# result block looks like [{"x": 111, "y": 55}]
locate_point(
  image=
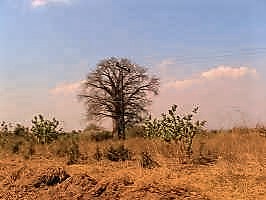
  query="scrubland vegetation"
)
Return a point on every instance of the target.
[
  {"x": 90, "y": 164},
  {"x": 173, "y": 156}
]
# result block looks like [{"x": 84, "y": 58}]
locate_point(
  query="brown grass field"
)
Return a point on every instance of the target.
[{"x": 225, "y": 166}]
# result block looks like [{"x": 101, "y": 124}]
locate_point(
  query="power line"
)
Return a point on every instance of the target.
[{"x": 219, "y": 57}]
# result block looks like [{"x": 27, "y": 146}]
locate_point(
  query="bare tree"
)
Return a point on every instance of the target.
[{"x": 120, "y": 90}]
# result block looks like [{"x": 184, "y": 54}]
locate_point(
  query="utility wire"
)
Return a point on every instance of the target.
[{"x": 219, "y": 57}]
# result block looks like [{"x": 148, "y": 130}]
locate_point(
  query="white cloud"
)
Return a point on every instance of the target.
[
  {"x": 229, "y": 72},
  {"x": 38, "y": 3},
  {"x": 215, "y": 74},
  {"x": 218, "y": 91},
  {"x": 66, "y": 88},
  {"x": 181, "y": 84}
]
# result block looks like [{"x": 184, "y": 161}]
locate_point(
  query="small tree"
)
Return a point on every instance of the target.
[
  {"x": 45, "y": 130},
  {"x": 172, "y": 126},
  {"x": 118, "y": 89}
]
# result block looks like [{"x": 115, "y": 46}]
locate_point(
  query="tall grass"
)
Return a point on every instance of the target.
[{"x": 240, "y": 146}]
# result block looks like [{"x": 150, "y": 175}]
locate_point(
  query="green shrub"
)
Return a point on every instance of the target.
[
  {"x": 45, "y": 130},
  {"x": 119, "y": 153},
  {"x": 176, "y": 127}
]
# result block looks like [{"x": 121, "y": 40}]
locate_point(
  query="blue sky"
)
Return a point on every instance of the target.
[{"x": 45, "y": 43}]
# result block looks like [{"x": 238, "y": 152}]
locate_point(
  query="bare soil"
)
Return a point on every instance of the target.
[{"x": 237, "y": 171}]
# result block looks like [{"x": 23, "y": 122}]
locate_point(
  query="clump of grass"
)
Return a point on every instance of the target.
[
  {"x": 29, "y": 151},
  {"x": 204, "y": 157},
  {"x": 147, "y": 161},
  {"x": 101, "y": 136},
  {"x": 261, "y": 129},
  {"x": 73, "y": 153},
  {"x": 15, "y": 148},
  {"x": 51, "y": 176},
  {"x": 136, "y": 131},
  {"x": 98, "y": 155},
  {"x": 119, "y": 153},
  {"x": 68, "y": 146}
]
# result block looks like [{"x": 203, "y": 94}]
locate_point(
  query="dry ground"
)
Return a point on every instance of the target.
[{"x": 226, "y": 166}]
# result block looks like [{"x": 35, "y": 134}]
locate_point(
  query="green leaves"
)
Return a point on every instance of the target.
[
  {"x": 45, "y": 130},
  {"x": 173, "y": 126}
]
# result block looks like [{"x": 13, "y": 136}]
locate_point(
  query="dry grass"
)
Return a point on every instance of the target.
[{"x": 226, "y": 165}]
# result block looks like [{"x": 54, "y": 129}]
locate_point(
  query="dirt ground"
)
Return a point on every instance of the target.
[
  {"x": 28, "y": 179},
  {"x": 226, "y": 166}
]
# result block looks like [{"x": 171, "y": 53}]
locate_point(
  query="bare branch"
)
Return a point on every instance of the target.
[{"x": 118, "y": 89}]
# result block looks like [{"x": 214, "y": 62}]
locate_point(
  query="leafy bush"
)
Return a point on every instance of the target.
[
  {"x": 45, "y": 130},
  {"x": 120, "y": 153},
  {"x": 172, "y": 126}
]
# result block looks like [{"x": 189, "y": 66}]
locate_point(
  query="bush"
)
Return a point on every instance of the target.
[
  {"x": 147, "y": 161},
  {"x": 93, "y": 128},
  {"x": 20, "y": 130},
  {"x": 75, "y": 132},
  {"x": 68, "y": 146},
  {"x": 45, "y": 130},
  {"x": 98, "y": 155},
  {"x": 14, "y": 138},
  {"x": 120, "y": 153},
  {"x": 16, "y": 147},
  {"x": 261, "y": 130},
  {"x": 5, "y": 127},
  {"x": 73, "y": 153},
  {"x": 136, "y": 131},
  {"x": 29, "y": 151},
  {"x": 101, "y": 136},
  {"x": 172, "y": 126}
]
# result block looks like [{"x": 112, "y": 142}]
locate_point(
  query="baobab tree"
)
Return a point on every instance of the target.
[{"x": 120, "y": 90}]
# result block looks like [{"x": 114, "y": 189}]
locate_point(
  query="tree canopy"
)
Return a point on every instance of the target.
[{"x": 118, "y": 89}]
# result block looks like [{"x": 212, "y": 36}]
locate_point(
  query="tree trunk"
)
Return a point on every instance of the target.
[
  {"x": 115, "y": 127},
  {"x": 121, "y": 129}
]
